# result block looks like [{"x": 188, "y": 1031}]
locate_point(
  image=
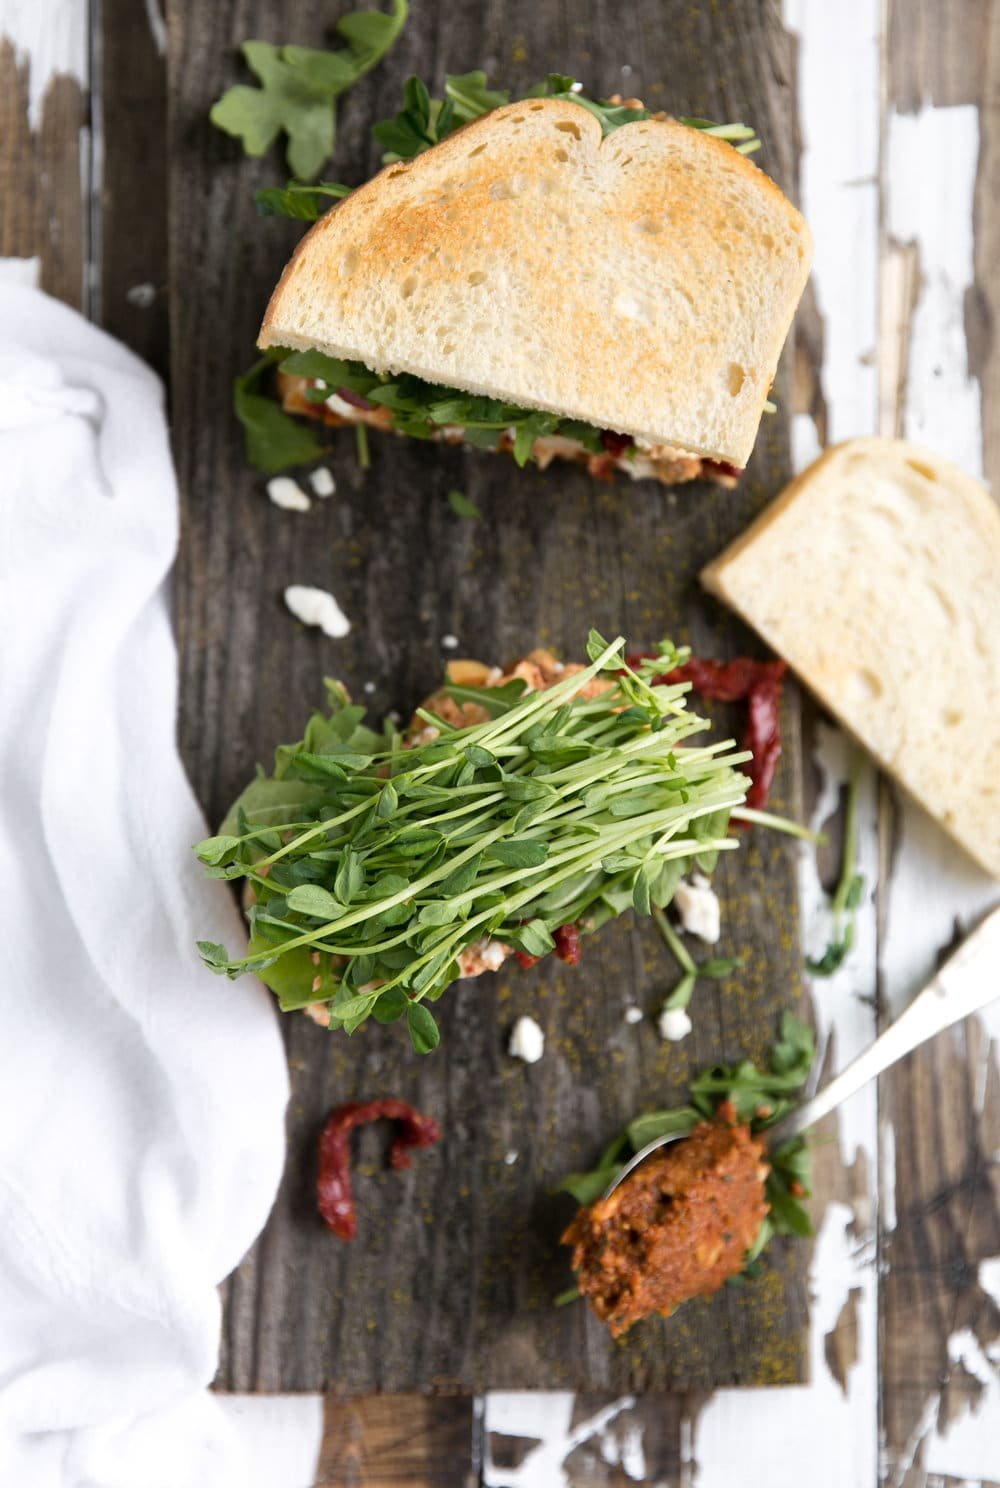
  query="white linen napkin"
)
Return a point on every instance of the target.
[{"x": 141, "y": 1097}]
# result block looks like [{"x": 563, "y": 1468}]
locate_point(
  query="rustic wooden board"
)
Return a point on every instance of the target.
[{"x": 450, "y": 1283}]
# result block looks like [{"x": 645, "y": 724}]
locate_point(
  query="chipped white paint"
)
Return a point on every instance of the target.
[
  {"x": 624, "y": 1449},
  {"x": 547, "y": 1417},
  {"x": 141, "y": 295},
  {"x": 806, "y": 1433},
  {"x": 838, "y": 90},
  {"x": 887, "y": 1179},
  {"x": 939, "y": 147},
  {"x": 157, "y": 26},
  {"x": 49, "y": 37}
]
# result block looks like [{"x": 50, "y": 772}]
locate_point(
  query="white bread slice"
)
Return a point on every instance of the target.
[
  {"x": 876, "y": 575},
  {"x": 644, "y": 282}
]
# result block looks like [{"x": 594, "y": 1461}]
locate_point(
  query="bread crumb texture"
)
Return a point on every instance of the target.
[
  {"x": 875, "y": 574},
  {"x": 643, "y": 282}
]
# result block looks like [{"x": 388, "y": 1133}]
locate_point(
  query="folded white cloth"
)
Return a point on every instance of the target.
[{"x": 141, "y": 1097}]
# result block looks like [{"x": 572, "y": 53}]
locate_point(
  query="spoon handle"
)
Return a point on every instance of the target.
[{"x": 965, "y": 983}]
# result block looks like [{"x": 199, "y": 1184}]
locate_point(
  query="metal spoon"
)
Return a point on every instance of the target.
[{"x": 968, "y": 981}]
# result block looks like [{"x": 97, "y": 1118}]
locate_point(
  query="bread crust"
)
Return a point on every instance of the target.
[
  {"x": 643, "y": 282},
  {"x": 874, "y": 574}
]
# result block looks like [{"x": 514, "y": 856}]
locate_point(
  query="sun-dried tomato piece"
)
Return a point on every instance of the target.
[
  {"x": 758, "y": 684},
  {"x": 334, "y": 1195},
  {"x": 568, "y": 944}
]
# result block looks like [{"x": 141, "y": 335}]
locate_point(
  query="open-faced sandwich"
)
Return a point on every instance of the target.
[
  {"x": 555, "y": 277},
  {"x": 516, "y": 815}
]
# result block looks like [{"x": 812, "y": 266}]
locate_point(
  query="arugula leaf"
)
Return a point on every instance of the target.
[
  {"x": 298, "y": 199},
  {"x": 274, "y": 440},
  {"x": 300, "y": 86}
]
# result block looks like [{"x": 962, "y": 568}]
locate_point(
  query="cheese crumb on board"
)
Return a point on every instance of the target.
[
  {"x": 450, "y": 642},
  {"x": 510, "y": 1158},
  {"x": 527, "y": 1041},
  {"x": 322, "y": 481},
  {"x": 317, "y": 607},
  {"x": 633, "y": 1015},
  {"x": 674, "y": 1025},
  {"x": 698, "y": 908},
  {"x": 288, "y": 494}
]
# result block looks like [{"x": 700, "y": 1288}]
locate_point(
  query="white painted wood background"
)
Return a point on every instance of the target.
[{"x": 828, "y": 1432}]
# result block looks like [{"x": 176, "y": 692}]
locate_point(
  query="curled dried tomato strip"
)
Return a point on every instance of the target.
[{"x": 334, "y": 1195}]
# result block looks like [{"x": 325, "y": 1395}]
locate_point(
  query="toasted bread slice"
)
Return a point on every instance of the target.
[
  {"x": 875, "y": 575},
  {"x": 643, "y": 282}
]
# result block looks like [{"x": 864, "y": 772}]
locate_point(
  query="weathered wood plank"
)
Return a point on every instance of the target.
[
  {"x": 940, "y": 1110},
  {"x": 44, "y": 162},
  {"x": 451, "y": 1283},
  {"x": 131, "y": 276},
  {"x": 398, "y": 1441}
]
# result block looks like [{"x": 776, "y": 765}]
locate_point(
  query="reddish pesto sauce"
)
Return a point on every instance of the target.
[
  {"x": 758, "y": 684},
  {"x": 334, "y": 1196}
]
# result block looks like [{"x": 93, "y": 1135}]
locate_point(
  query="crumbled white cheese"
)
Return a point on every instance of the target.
[
  {"x": 510, "y": 1158},
  {"x": 341, "y": 407},
  {"x": 674, "y": 1024},
  {"x": 576, "y": 87},
  {"x": 288, "y": 494},
  {"x": 317, "y": 607},
  {"x": 494, "y": 953},
  {"x": 322, "y": 481},
  {"x": 633, "y": 1015},
  {"x": 698, "y": 908},
  {"x": 369, "y": 688},
  {"x": 527, "y": 1041},
  {"x": 450, "y": 642}
]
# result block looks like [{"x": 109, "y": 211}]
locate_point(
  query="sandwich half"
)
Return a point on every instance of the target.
[{"x": 544, "y": 282}]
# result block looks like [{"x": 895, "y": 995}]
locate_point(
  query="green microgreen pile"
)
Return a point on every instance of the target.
[
  {"x": 375, "y": 860},
  {"x": 760, "y": 1098}
]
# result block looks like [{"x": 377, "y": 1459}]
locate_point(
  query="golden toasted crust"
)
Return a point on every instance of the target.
[{"x": 643, "y": 282}]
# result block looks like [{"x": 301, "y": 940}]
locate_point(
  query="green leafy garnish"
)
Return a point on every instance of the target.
[
  {"x": 423, "y": 409},
  {"x": 300, "y": 87},
  {"x": 462, "y": 506},
  {"x": 850, "y": 888},
  {"x": 424, "y": 121},
  {"x": 390, "y": 861},
  {"x": 760, "y": 1098},
  {"x": 298, "y": 199},
  {"x": 715, "y": 969},
  {"x": 274, "y": 440}
]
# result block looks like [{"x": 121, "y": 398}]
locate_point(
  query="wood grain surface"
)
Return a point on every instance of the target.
[{"x": 451, "y": 1281}]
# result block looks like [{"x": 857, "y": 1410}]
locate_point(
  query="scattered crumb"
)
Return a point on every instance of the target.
[
  {"x": 698, "y": 908},
  {"x": 633, "y": 1015},
  {"x": 450, "y": 642},
  {"x": 141, "y": 295},
  {"x": 322, "y": 481},
  {"x": 674, "y": 1024},
  {"x": 287, "y": 494},
  {"x": 317, "y": 607},
  {"x": 369, "y": 687},
  {"x": 527, "y": 1041},
  {"x": 510, "y": 1158}
]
